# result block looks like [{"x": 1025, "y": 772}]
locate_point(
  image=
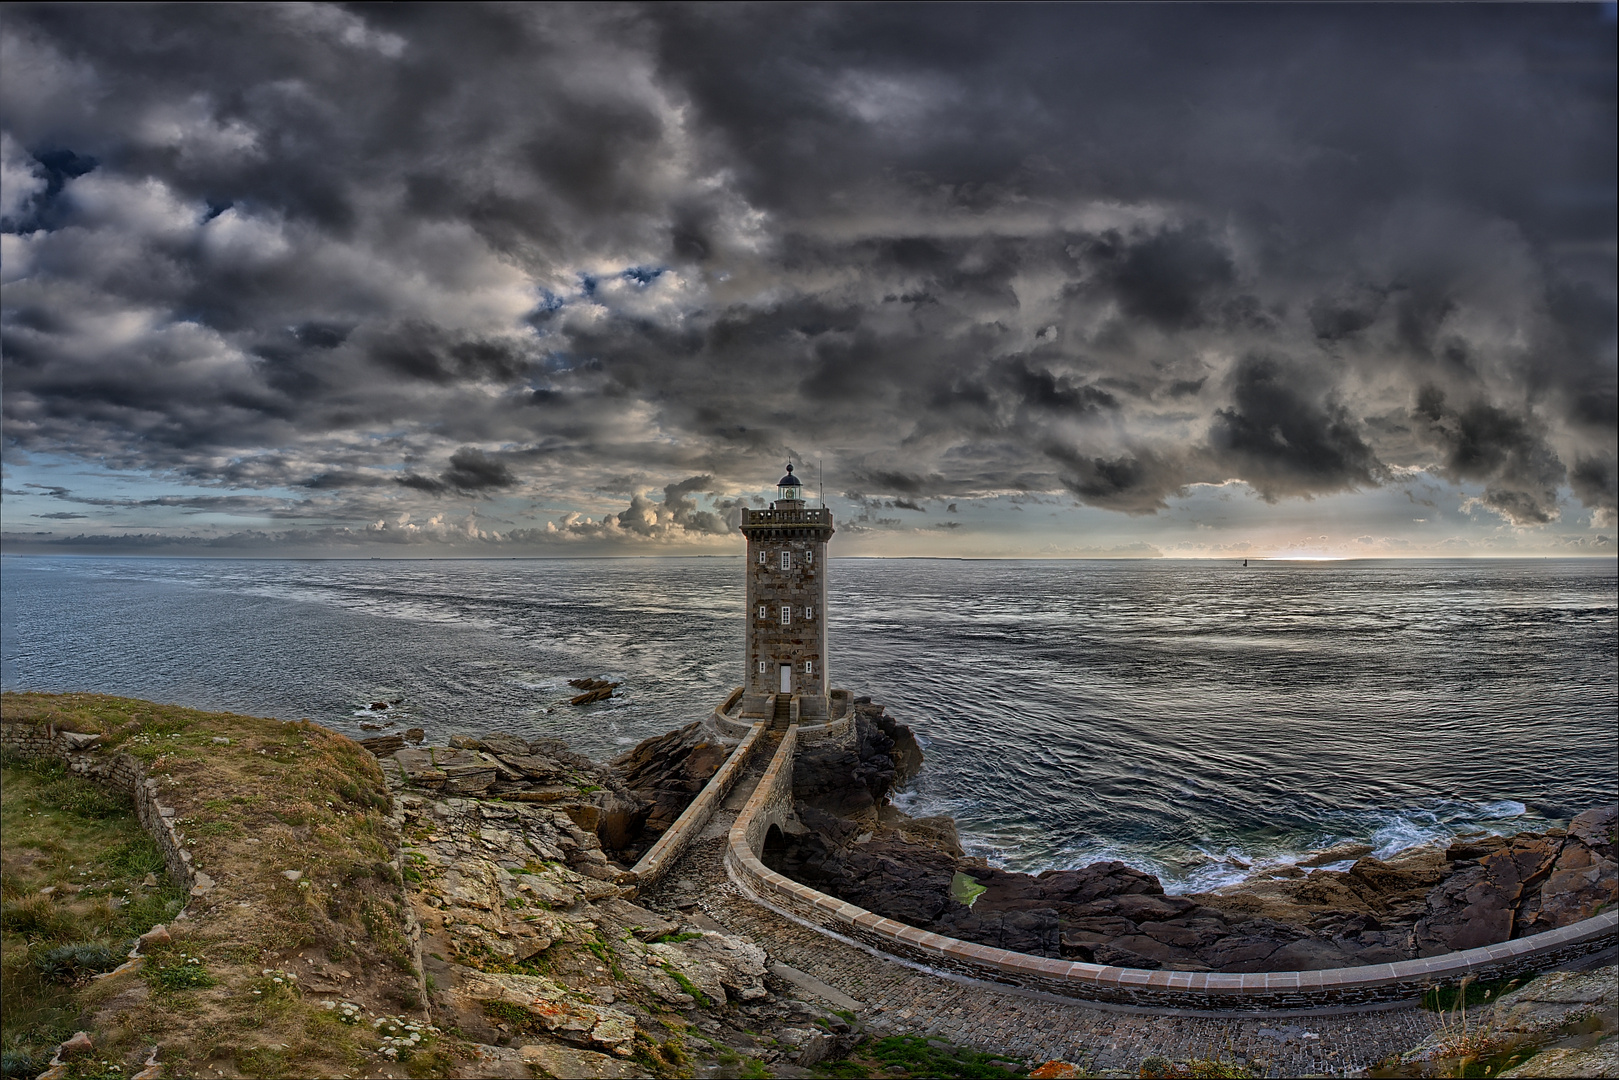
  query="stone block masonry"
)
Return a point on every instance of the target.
[
  {"x": 771, "y": 805},
  {"x": 82, "y": 756}
]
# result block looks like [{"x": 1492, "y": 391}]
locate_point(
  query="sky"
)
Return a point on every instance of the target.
[{"x": 1155, "y": 280}]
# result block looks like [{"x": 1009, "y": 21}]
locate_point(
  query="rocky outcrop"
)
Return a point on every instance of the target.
[
  {"x": 665, "y": 773},
  {"x": 1505, "y": 888},
  {"x": 1428, "y": 900},
  {"x": 543, "y": 771},
  {"x": 853, "y": 781},
  {"x": 541, "y": 958}
]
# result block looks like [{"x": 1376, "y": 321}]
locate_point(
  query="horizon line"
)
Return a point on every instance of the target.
[{"x": 873, "y": 558}]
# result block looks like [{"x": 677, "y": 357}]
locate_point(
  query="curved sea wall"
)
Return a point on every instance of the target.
[
  {"x": 122, "y": 771},
  {"x": 772, "y": 805}
]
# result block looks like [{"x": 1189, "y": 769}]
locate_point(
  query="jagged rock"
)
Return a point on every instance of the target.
[
  {"x": 906, "y": 882},
  {"x": 1598, "y": 829},
  {"x": 552, "y": 1009},
  {"x": 1098, "y": 881},
  {"x": 664, "y": 773},
  {"x": 1381, "y": 885},
  {"x": 937, "y": 831},
  {"x": 1478, "y": 906},
  {"x": 1336, "y": 853},
  {"x": 643, "y": 924},
  {"x": 383, "y": 745},
  {"x": 1118, "y": 956},
  {"x": 503, "y": 743},
  {"x": 807, "y": 1046},
  {"x": 557, "y": 1060},
  {"x": 722, "y": 966},
  {"x": 419, "y": 769},
  {"x": 620, "y": 817},
  {"x": 76, "y": 1046},
  {"x": 1584, "y": 879},
  {"x": 1035, "y": 931},
  {"x": 1474, "y": 846},
  {"x": 905, "y": 751},
  {"x": 853, "y": 782},
  {"x": 534, "y": 766},
  {"x": 1463, "y": 913}
]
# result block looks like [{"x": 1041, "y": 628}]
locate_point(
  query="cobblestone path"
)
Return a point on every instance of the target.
[{"x": 900, "y": 999}]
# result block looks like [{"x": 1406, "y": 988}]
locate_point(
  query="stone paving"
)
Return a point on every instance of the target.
[{"x": 900, "y": 999}]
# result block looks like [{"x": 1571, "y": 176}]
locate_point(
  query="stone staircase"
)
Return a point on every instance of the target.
[{"x": 784, "y": 713}]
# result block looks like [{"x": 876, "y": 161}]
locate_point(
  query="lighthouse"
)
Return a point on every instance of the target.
[{"x": 786, "y": 677}]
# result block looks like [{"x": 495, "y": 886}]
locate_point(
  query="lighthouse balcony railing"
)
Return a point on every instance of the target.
[{"x": 807, "y": 516}]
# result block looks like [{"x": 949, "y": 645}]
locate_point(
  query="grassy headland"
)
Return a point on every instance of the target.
[{"x": 288, "y": 819}]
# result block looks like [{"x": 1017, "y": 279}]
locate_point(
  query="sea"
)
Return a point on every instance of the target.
[{"x": 1195, "y": 719}]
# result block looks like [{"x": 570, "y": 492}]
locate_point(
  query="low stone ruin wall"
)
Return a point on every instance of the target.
[
  {"x": 84, "y": 759},
  {"x": 691, "y": 822},
  {"x": 771, "y": 804}
]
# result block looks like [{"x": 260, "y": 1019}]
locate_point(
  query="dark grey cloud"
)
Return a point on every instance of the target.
[
  {"x": 1285, "y": 437},
  {"x": 1509, "y": 452},
  {"x": 384, "y": 255},
  {"x": 471, "y": 471}
]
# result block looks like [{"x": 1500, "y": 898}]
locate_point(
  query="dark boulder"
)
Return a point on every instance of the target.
[
  {"x": 850, "y": 782},
  {"x": 665, "y": 773},
  {"x": 909, "y": 883},
  {"x": 1583, "y": 881},
  {"x": 1479, "y": 905},
  {"x": 1598, "y": 829}
]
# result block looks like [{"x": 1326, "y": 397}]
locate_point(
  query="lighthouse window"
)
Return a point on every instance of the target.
[
  {"x": 761, "y": 667},
  {"x": 764, "y": 612},
  {"x": 762, "y": 558},
  {"x": 809, "y": 612},
  {"x": 809, "y": 667},
  {"x": 786, "y": 615},
  {"x": 809, "y": 558},
  {"x": 786, "y": 560}
]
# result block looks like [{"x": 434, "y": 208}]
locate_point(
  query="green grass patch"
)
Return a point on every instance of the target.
[
  {"x": 1466, "y": 994},
  {"x": 687, "y": 986},
  {"x": 926, "y": 1057},
  {"x": 675, "y": 939},
  {"x": 72, "y": 897},
  {"x": 177, "y": 971}
]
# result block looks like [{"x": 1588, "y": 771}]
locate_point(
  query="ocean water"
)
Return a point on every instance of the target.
[{"x": 1194, "y": 719}]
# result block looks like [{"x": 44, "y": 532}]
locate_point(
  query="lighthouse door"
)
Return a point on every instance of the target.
[{"x": 786, "y": 678}]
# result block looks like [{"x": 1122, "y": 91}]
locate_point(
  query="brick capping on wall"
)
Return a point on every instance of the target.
[
  {"x": 84, "y": 759},
  {"x": 772, "y": 804},
  {"x": 691, "y": 822}
]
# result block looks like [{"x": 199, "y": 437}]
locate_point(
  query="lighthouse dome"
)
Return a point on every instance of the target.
[{"x": 789, "y": 480}]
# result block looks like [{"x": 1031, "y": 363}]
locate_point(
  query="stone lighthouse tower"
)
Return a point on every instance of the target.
[{"x": 786, "y": 654}]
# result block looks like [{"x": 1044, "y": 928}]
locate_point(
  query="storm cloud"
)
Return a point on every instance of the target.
[{"x": 596, "y": 270}]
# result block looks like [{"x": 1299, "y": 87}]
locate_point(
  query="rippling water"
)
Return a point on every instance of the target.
[{"x": 1187, "y": 717}]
